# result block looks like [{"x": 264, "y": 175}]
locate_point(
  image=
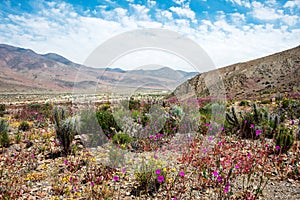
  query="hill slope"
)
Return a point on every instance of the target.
[{"x": 277, "y": 73}]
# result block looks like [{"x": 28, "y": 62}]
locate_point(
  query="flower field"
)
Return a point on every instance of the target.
[{"x": 148, "y": 148}]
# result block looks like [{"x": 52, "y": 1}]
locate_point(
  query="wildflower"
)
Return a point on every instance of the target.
[
  {"x": 237, "y": 166},
  {"x": 174, "y": 198},
  {"x": 210, "y": 129},
  {"x": 165, "y": 169},
  {"x": 215, "y": 173},
  {"x": 248, "y": 155},
  {"x": 160, "y": 179},
  {"x": 181, "y": 174},
  {"x": 204, "y": 150},
  {"x": 207, "y": 124},
  {"x": 116, "y": 178},
  {"x": 173, "y": 169},
  {"x": 155, "y": 157},
  {"x": 219, "y": 178},
  {"x": 210, "y": 138},
  {"x": 32, "y": 156},
  {"x": 92, "y": 184},
  {"x": 258, "y": 132},
  {"x": 219, "y": 143},
  {"x": 65, "y": 162},
  {"x": 157, "y": 171},
  {"x": 277, "y": 147},
  {"x": 123, "y": 170},
  {"x": 151, "y": 137},
  {"x": 222, "y": 129},
  {"x": 292, "y": 122},
  {"x": 71, "y": 179},
  {"x": 251, "y": 125},
  {"x": 226, "y": 188}
]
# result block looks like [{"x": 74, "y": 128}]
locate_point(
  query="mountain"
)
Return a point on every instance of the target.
[
  {"x": 270, "y": 75},
  {"x": 23, "y": 70}
]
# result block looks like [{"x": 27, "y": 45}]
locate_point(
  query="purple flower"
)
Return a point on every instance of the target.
[
  {"x": 160, "y": 179},
  {"x": 222, "y": 128},
  {"x": 207, "y": 124},
  {"x": 32, "y": 156},
  {"x": 151, "y": 137},
  {"x": 92, "y": 184},
  {"x": 181, "y": 174},
  {"x": 215, "y": 173},
  {"x": 157, "y": 171},
  {"x": 219, "y": 178},
  {"x": 258, "y": 132},
  {"x": 71, "y": 179},
  {"x": 237, "y": 166},
  {"x": 155, "y": 157},
  {"x": 116, "y": 178},
  {"x": 65, "y": 162},
  {"x": 210, "y": 138},
  {"x": 124, "y": 170},
  {"x": 251, "y": 125},
  {"x": 292, "y": 122},
  {"x": 248, "y": 155},
  {"x": 204, "y": 150},
  {"x": 226, "y": 188},
  {"x": 277, "y": 147}
]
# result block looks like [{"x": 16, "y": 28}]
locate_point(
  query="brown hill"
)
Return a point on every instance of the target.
[
  {"x": 277, "y": 73},
  {"x": 23, "y": 70}
]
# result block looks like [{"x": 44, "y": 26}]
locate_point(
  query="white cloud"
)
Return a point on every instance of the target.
[
  {"x": 184, "y": 12},
  {"x": 227, "y": 39},
  {"x": 292, "y": 4},
  {"x": 244, "y": 3}
]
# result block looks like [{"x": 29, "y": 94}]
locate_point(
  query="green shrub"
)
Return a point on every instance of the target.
[
  {"x": 4, "y": 137},
  {"x": 121, "y": 138},
  {"x": 89, "y": 126},
  {"x": 134, "y": 104},
  {"x": 107, "y": 122},
  {"x": 66, "y": 129},
  {"x": 285, "y": 102},
  {"x": 284, "y": 138},
  {"x": 24, "y": 126},
  {"x": 18, "y": 137}
]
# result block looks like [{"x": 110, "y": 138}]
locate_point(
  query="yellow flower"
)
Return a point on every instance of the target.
[
  {"x": 78, "y": 194},
  {"x": 173, "y": 169},
  {"x": 165, "y": 169}
]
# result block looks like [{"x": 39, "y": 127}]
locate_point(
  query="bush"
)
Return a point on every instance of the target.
[
  {"x": 4, "y": 137},
  {"x": 107, "y": 122},
  {"x": 24, "y": 126},
  {"x": 121, "y": 138},
  {"x": 66, "y": 129},
  {"x": 244, "y": 103},
  {"x": 134, "y": 104},
  {"x": 89, "y": 126}
]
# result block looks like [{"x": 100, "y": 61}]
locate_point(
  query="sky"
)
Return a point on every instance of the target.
[{"x": 229, "y": 31}]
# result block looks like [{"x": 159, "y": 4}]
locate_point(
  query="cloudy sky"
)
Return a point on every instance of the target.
[{"x": 229, "y": 31}]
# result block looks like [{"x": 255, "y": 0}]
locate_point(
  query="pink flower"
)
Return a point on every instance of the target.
[
  {"x": 92, "y": 184},
  {"x": 219, "y": 178},
  {"x": 219, "y": 143},
  {"x": 226, "y": 188},
  {"x": 248, "y": 155},
  {"x": 277, "y": 147},
  {"x": 251, "y": 125},
  {"x": 215, "y": 173},
  {"x": 174, "y": 198},
  {"x": 124, "y": 170},
  {"x": 258, "y": 132},
  {"x": 222, "y": 128},
  {"x": 237, "y": 166},
  {"x": 65, "y": 162},
  {"x": 116, "y": 178},
  {"x": 157, "y": 171},
  {"x": 160, "y": 179},
  {"x": 204, "y": 150},
  {"x": 207, "y": 124},
  {"x": 181, "y": 174},
  {"x": 32, "y": 156},
  {"x": 151, "y": 137},
  {"x": 210, "y": 138}
]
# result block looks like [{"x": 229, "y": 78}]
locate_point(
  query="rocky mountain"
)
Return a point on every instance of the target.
[
  {"x": 23, "y": 70},
  {"x": 270, "y": 75}
]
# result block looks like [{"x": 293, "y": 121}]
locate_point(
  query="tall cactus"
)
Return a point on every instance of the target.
[
  {"x": 4, "y": 138},
  {"x": 284, "y": 139}
]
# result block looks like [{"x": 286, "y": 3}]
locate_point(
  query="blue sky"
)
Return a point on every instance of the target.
[{"x": 229, "y": 31}]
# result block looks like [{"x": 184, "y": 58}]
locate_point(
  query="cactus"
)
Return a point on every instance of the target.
[
  {"x": 4, "y": 138},
  {"x": 284, "y": 138},
  {"x": 2, "y": 110},
  {"x": 66, "y": 129}
]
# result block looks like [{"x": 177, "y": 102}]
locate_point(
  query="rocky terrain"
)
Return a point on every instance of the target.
[
  {"x": 274, "y": 74},
  {"x": 23, "y": 70}
]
